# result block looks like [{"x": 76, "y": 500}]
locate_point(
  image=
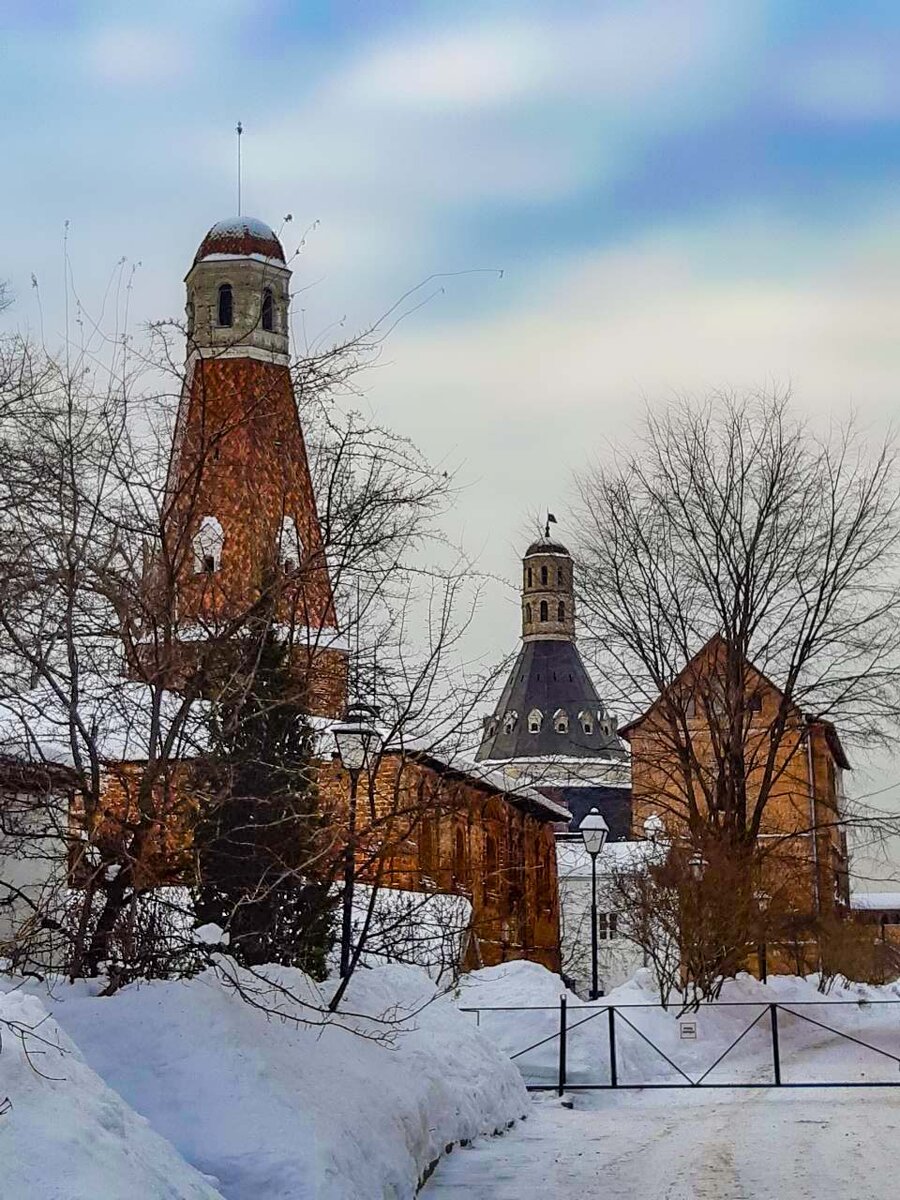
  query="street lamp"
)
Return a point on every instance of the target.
[
  {"x": 594, "y": 832},
  {"x": 358, "y": 743},
  {"x": 762, "y": 902},
  {"x": 697, "y": 865},
  {"x": 654, "y": 828}
]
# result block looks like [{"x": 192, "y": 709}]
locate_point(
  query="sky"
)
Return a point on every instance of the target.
[{"x": 600, "y": 206}]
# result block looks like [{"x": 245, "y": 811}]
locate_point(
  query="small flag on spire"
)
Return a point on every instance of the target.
[{"x": 551, "y": 520}]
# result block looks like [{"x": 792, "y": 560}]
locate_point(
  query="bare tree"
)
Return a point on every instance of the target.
[{"x": 736, "y": 528}]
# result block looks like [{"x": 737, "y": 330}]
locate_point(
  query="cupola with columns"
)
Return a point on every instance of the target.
[{"x": 548, "y": 592}]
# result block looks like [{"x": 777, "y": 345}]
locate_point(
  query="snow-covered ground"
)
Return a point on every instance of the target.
[
  {"x": 692, "y": 1144},
  {"x": 144, "y": 1093},
  {"x": 765, "y": 1145}
]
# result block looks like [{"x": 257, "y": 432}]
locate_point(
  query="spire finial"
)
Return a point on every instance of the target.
[{"x": 240, "y": 130}]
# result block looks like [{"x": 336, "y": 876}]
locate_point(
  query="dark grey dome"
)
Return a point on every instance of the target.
[{"x": 549, "y": 679}]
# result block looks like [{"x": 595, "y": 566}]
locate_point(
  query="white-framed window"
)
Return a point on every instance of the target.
[
  {"x": 535, "y": 720},
  {"x": 290, "y": 546},
  {"x": 561, "y": 721},
  {"x": 607, "y": 926},
  {"x": 207, "y": 546}
]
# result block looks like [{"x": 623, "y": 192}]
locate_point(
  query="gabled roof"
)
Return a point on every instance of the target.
[{"x": 710, "y": 647}]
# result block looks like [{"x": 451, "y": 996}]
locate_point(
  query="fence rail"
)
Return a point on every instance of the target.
[{"x": 623, "y": 1032}]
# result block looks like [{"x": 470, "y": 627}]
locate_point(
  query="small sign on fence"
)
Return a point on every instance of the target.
[{"x": 688, "y": 1031}]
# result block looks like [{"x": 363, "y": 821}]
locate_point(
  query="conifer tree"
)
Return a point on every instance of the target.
[{"x": 259, "y": 830}]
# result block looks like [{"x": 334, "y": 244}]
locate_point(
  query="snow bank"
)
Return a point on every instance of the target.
[
  {"x": 67, "y": 1135},
  {"x": 352, "y": 1110},
  {"x": 519, "y": 1010}
]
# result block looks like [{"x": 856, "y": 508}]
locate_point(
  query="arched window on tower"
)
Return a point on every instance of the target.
[
  {"x": 290, "y": 546},
  {"x": 528, "y": 614},
  {"x": 226, "y": 305},
  {"x": 268, "y": 310},
  {"x": 560, "y": 611},
  {"x": 207, "y": 546},
  {"x": 529, "y": 576},
  {"x": 535, "y": 719},
  {"x": 544, "y": 611},
  {"x": 560, "y": 576},
  {"x": 543, "y": 575}
]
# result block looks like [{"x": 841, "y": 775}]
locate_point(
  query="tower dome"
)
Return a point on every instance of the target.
[
  {"x": 549, "y": 707},
  {"x": 241, "y": 236},
  {"x": 238, "y": 292}
]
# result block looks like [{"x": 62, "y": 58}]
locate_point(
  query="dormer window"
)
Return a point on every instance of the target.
[
  {"x": 226, "y": 305},
  {"x": 290, "y": 546},
  {"x": 561, "y": 721},
  {"x": 207, "y": 546},
  {"x": 544, "y": 610},
  {"x": 535, "y": 720},
  {"x": 509, "y": 722},
  {"x": 586, "y": 721},
  {"x": 268, "y": 310}
]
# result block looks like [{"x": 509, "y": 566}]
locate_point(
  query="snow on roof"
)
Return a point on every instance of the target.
[
  {"x": 242, "y": 236},
  {"x": 484, "y": 773},
  {"x": 574, "y": 861},
  {"x": 875, "y": 900}
]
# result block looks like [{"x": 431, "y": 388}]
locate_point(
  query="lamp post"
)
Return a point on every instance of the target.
[
  {"x": 697, "y": 865},
  {"x": 762, "y": 902},
  {"x": 594, "y": 832},
  {"x": 654, "y": 828},
  {"x": 358, "y": 743}
]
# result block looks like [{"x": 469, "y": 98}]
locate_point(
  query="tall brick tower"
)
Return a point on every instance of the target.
[{"x": 241, "y": 527}]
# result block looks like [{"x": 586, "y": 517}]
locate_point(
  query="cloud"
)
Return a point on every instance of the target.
[{"x": 136, "y": 56}]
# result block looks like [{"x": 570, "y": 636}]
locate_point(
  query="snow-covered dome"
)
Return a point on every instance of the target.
[{"x": 241, "y": 235}]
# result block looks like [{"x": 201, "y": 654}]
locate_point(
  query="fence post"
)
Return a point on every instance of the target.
[
  {"x": 776, "y": 1056},
  {"x": 613, "y": 1066},
  {"x": 562, "y": 1045}
]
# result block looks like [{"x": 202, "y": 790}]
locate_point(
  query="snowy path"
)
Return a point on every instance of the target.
[{"x": 815, "y": 1144}]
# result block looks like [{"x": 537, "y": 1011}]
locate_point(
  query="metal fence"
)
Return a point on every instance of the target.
[{"x": 828, "y": 1043}]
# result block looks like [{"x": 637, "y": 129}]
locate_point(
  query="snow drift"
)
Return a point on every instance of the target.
[
  {"x": 268, "y": 1104},
  {"x": 520, "y": 1012}
]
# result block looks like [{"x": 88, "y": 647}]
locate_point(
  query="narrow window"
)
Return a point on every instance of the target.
[
  {"x": 207, "y": 546},
  {"x": 544, "y": 610},
  {"x": 560, "y": 611},
  {"x": 543, "y": 574},
  {"x": 226, "y": 313},
  {"x": 528, "y": 613},
  {"x": 290, "y": 546},
  {"x": 560, "y": 577},
  {"x": 459, "y": 854},
  {"x": 491, "y": 860},
  {"x": 530, "y": 577},
  {"x": 268, "y": 311}
]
